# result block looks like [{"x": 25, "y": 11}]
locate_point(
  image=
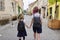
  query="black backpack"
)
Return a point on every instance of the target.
[
  {"x": 37, "y": 20},
  {"x": 21, "y": 26}
]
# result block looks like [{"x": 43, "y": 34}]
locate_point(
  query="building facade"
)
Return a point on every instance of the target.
[
  {"x": 42, "y": 5},
  {"x": 20, "y": 6},
  {"x": 31, "y": 6},
  {"x": 54, "y": 14},
  {"x": 9, "y": 8},
  {"x": 54, "y": 9}
]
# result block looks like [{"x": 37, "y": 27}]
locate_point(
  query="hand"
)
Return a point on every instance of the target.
[
  {"x": 27, "y": 26},
  {"x": 30, "y": 26}
]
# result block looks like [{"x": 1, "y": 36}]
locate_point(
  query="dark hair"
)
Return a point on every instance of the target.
[{"x": 35, "y": 10}]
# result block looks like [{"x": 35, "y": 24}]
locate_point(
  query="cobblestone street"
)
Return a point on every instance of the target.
[{"x": 9, "y": 31}]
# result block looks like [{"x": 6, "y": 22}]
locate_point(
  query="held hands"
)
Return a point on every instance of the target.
[{"x": 28, "y": 26}]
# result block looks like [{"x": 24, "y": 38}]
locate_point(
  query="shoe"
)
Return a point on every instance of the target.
[
  {"x": 19, "y": 39},
  {"x": 23, "y": 39}
]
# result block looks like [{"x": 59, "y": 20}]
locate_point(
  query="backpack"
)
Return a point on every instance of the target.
[
  {"x": 20, "y": 26},
  {"x": 37, "y": 20}
]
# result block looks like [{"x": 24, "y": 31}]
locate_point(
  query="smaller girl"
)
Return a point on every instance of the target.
[{"x": 21, "y": 27}]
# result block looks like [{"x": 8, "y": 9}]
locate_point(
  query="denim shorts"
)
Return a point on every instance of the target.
[{"x": 37, "y": 29}]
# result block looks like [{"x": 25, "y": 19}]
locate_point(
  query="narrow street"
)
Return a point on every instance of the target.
[{"x": 9, "y": 31}]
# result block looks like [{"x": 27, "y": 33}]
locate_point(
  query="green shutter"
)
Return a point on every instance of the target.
[{"x": 18, "y": 10}]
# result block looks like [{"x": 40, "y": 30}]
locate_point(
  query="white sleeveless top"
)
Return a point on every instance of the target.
[{"x": 36, "y": 15}]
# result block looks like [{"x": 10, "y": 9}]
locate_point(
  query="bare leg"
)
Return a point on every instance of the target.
[
  {"x": 19, "y": 38},
  {"x": 38, "y": 36},
  {"x": 24, "y": 38},
  {"x": 34, "y": 36}
]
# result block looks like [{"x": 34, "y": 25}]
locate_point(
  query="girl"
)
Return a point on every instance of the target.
[
  {"x": 37, "y": 23},
  {"x": 21, "y": 27}
]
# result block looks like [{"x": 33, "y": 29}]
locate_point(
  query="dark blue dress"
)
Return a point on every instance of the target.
[{"x": 21, "y": 29}]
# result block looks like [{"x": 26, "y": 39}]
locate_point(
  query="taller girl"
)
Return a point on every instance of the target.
[{"x": 37, "y": 23}]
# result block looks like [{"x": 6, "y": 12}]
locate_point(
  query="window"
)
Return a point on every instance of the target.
[
  {"x": 2, "y": 5},
  {"x": 47, "y": 13},
  {"x": 18, "y": 9},
  {"x": 50, "y": 12},
  {"x": 40, "y": 11},
  {"x": 57, "y": 11},
  {"x": 13, "y": 6},
  {"x": 44, "y": 8}
]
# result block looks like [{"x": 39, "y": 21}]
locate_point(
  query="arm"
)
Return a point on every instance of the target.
[
  {"x": 31, "y": 23},
  {"x": 18, "y": 27},
  {"x": 41, "y": 21},
  {"x": 41, "y": 18},
  {"x": 26, "y": 25}
]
